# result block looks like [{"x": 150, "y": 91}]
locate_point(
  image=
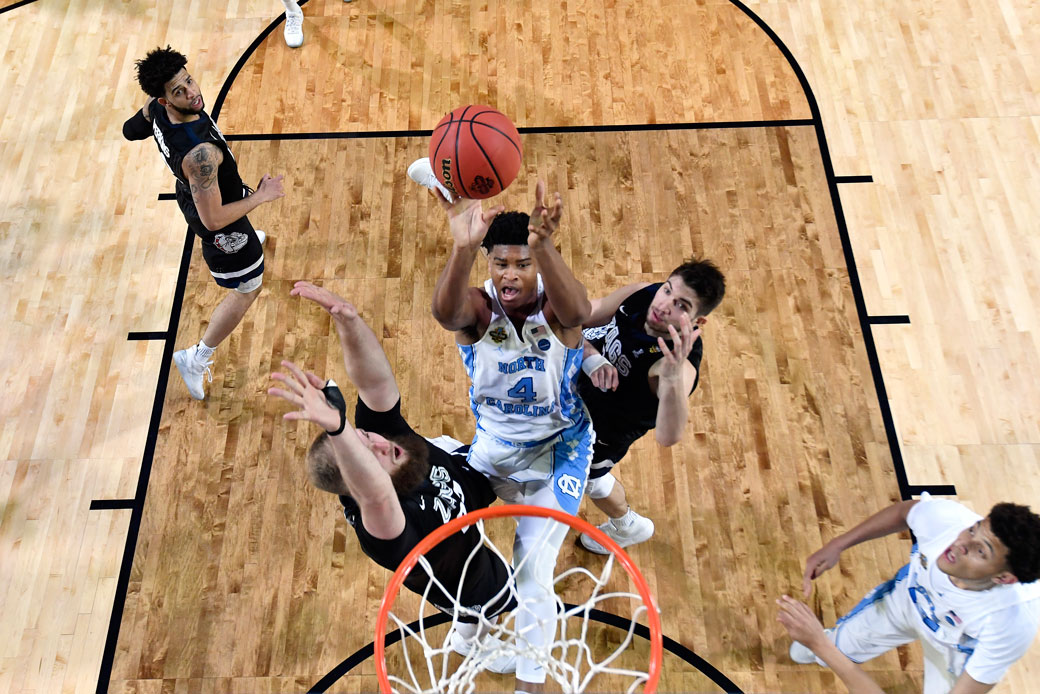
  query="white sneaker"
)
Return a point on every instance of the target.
[
  {"x": 193, "y": 370},
  {"x": 800, "y": 653},
  {"x": 294, "y": 28},
  {"x": 639, "y": 530},
  {"x": 421, "y": 171},
  {"x": 503, "y": 664},
  {"x": 261, "y": 235}
]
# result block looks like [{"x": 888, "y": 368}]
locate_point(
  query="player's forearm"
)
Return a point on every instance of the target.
[
  {"x": 367, "y": 481},
  {"x": 137, "y": 127},
  {"x": 849, "y": 672},
  {"x": 570, "y": 301},
  {"x": 363, "y": 356},
  {"x": 885, "y": 522},
  {"x": 450, "y": 296},
  {"x": 672, "y": 411},
  {"x": 224, "y": 215}
]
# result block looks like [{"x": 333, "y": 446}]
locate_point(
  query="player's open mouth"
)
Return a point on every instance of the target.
[
  {"x": 197, "y": 102},
  {"x": 655, "y": 316},
  {"x": 950, "y": 556},
  {"x": 510, "y": 292}
]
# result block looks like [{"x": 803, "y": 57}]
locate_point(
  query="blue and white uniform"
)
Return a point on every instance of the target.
[
  {"x": 534, "y": 441},
  {"x": 981, "y": 632},
  {"x": 531, "y": 424}
]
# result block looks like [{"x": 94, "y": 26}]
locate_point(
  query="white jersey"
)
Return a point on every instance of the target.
[
  {"x": 982, "y": 631},
  {"x": 524, "y": 386}
]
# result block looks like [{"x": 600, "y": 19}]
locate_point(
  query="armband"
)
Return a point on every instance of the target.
[
  {"x": 334, "y": 396},
  {"x": 593, "y": 362},
  {"x": 137, "y": 127}
]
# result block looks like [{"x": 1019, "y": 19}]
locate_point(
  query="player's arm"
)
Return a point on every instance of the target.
[
  {"x": 363, "y": 356},
  {"x": 598, "y": 368},
  {"x": 368, "y": 483},
  {"x": 884, "y": 522},
  {"x": 671, "y": 379},
  {"x": 566, "y": 295},
  {"x": 456, "y": 305},
  {"x": 966, "y": 684},
  {"x": 604, "y": 308},
  {"x": 803, "y": 626},
  {"x": 139, "y": 126},
  {"x": 200, "y": 167}
]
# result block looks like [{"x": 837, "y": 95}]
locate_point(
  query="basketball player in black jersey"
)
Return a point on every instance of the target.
[
  {"x": 395, "y": 486},
  {"x": 210, "y": 193},
  {"x": 643, "y": 353}
]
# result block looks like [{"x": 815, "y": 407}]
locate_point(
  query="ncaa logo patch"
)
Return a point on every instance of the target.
[{"x": 569, "y": 485}]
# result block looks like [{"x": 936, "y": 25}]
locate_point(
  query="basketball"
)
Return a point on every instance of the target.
[{"x": 475, "y": 152}]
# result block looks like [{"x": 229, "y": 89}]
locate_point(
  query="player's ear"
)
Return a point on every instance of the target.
[
  {"x": 162, "y": 101},
  {"x": 700, "y": 320},
  {"x": 1005, "y": 578}
]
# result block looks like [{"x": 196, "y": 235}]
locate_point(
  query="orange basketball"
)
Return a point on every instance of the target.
[{"x": 475, "y": 152}]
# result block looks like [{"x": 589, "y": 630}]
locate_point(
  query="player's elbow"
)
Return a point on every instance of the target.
[{"x": 667, "y": 439}]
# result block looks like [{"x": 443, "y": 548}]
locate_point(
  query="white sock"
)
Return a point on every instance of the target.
[
  {"x": 625, "y": 520},
  {"x": 203, "y": 351},
  {"x": 291, "y": 6}
]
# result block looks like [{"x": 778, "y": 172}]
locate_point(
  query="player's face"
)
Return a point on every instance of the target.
[
  {"x": 672, "y": 301},
  {"x": 976, "y": 554},
  {"x": 183, "y": 95},
  {"x": 389, "y": 454},
  {"x": 514, "y": 274}
]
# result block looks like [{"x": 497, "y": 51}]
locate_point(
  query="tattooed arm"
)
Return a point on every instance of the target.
[{"x": 200, "y": 166}]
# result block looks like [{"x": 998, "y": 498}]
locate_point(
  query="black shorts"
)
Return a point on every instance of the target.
[{"x": 234, "y": 254}]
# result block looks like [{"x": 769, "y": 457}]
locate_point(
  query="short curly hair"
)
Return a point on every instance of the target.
[
  {"x": 157, "y": 68},
  {"x": 507, "y": 229},
  {"x": 1019, "y": 529}
]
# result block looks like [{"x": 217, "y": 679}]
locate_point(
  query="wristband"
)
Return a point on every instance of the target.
[
  {"x": 593, "y": 362},
  {"x": 334, "y": 397}
]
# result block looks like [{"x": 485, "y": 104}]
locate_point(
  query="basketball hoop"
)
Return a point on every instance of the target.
[{"x": 568, "y": 659}]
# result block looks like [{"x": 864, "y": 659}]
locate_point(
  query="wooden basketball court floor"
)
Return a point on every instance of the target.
[{"x": 861, "y": 174}]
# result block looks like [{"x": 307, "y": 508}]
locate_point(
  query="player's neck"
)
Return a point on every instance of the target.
[
  {"x": 176, "y": 116},
  {"x": 978, "y": 584}
]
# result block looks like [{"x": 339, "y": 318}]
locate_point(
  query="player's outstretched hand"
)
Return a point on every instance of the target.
[
  {"x": 342, "y": 310},
  {"x": 544, "y": 220},
  {"x": 467, "y": 219},
  {"x": 304, "y": 392},
  {"x": 800, "y": 622},
  {"x": 270, "y": 187},
  {"x": 683, "y": 341},
  {"x": 819, "y": 561},
  {"x": 605, "y": 377}
]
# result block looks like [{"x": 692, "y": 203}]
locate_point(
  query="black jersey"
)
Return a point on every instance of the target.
[
  {"x": 452, "y": 489},
  {"x": 226, "y": 250},
  {"x": 622, "y": 416}
]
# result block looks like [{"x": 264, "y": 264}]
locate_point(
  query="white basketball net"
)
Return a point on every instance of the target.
[{"x": 568, "y": 658}]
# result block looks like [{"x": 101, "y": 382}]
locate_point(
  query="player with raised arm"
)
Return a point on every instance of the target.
[
  {"x": 643, "y": 356},
  {"x": 395, "y": 486},
  {"x": 211, "y": 195},
  {"x": 968, "y": 594},
  {"x": 520, "y": 340}
]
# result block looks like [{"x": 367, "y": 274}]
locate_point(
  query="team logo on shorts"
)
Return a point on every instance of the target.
[
  {"x": 569, "y": 485},
  {"x": 231, "y": 243},
  {"x": 499, "y": 335}
]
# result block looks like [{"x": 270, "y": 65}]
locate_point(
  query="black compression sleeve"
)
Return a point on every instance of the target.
[{"x": 137, "y": 128}]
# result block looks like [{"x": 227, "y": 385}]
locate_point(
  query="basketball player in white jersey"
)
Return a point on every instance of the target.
[
  {"x": 969, "y": 594},
  {"x": 520, "y": 340}
]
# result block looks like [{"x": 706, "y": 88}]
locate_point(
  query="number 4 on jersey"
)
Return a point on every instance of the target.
[{"x": 524, "y": 390}]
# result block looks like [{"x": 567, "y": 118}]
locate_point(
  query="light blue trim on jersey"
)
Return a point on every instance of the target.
[
  {"x": 468, "y": 358},
  {"x": 571, "y": 405},
  {"x": 878, "y": 594}
]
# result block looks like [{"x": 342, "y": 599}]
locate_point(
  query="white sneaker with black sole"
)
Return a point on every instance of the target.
[
  {"x": 639, "y": 530},
  {"x": 503, "y": 664},
  {"x": 294, "y": 28},
  {"x": 421, "y": 171},
  {"x": 193, "y": 371}
]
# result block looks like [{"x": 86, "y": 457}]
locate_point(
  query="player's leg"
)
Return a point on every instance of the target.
[
  {"x": 293, "y": 24},
  {"x": 624, "y": 526},
  {"x": 194, "y": 362}
]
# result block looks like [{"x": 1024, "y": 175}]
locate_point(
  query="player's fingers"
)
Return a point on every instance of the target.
[
  {"x": 315, "y": 380},
  {"x": 295, "y": 370},
  {"x": 539, "y": 193}
]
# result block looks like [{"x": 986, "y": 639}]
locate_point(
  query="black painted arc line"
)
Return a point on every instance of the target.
[
  {"x": 936, "y": 489},
  {"x": 111, "y": 504},
  {"x": 167, "y": 196},
  {"x": 16, "y": 6},
  {"x": 854, "y": 179},
  {"x": 226, "y": 87},
  {"x": 850, "y": 260},
  {"x": 670, "y": 645},
  {"x": 123, "y": 582},
  {"x": 889, "y": 320}
]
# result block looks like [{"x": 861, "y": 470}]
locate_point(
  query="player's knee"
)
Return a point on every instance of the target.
[
  {"x": 601, "y": 487},
  {"x": 250, "y": 289}
]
